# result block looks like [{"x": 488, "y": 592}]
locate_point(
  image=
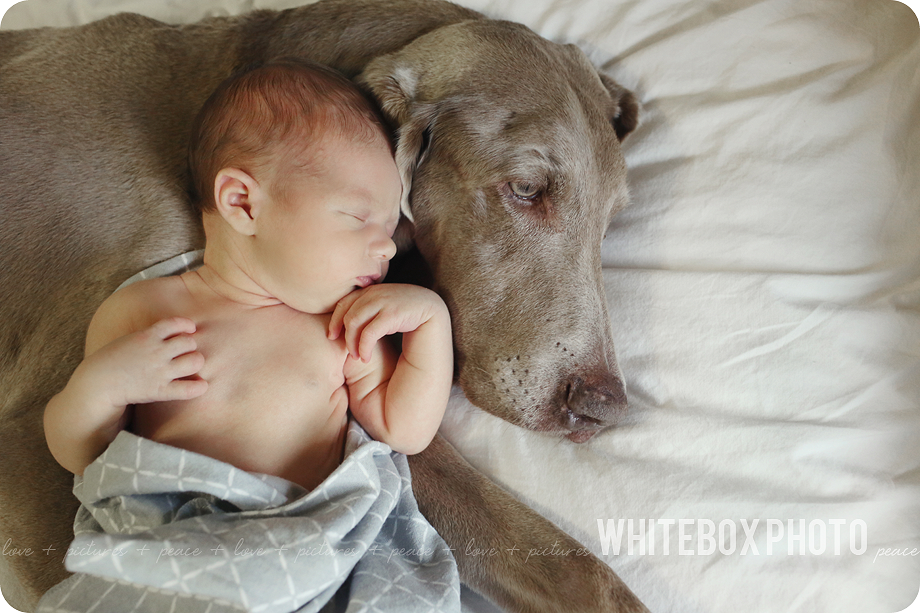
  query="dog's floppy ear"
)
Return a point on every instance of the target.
[
  {"x": 624, "y": 109},
  {"x": 395, "y": 85}
]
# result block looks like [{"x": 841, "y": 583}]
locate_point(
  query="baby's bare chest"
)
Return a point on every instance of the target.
[
  {"x": 269, "y": 356},
  {"x": 276, "y": 399}
]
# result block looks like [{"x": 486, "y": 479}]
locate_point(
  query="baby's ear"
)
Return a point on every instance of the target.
[{"x": 239, "y": 199}]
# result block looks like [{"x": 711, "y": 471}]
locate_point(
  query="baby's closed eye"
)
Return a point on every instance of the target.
[{"x": 357, "y": 213}]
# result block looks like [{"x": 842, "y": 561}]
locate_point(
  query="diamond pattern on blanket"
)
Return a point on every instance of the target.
[{"x": 162, "y": 528}]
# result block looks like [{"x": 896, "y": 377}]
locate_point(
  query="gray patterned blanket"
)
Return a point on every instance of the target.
[{"x": 164, "y": 529}]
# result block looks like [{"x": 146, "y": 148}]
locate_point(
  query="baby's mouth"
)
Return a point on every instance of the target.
[{"x": 368, "y": 280}]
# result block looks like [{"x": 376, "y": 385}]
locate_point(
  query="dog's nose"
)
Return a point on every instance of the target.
[{"x": 594, "y": 402}]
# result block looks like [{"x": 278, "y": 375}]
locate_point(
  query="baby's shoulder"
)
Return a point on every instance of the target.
[
  {"x": 150, "y": 296},
  {"x": 132, "y": 308}
]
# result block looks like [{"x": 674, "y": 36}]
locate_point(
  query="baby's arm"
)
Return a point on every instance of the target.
[
  {"x": 122, "y": 367},
  {"x": 398, "y": 401}
]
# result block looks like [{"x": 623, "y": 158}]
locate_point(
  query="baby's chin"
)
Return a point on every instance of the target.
[
  {"x": 327, "y": 306},
  {"x": 322, "y": 305},
  {"x": 315, "y": 305}
]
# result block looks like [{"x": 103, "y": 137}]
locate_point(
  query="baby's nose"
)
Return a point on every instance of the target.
[{"x": 385, "y": 248}]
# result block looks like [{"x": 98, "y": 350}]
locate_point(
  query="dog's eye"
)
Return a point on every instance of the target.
[{"x": 524, "y": 191}]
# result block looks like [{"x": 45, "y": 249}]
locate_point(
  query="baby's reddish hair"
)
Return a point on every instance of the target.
[{"x": 268, "y": 120}]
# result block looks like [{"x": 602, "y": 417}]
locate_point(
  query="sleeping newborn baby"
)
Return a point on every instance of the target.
[{"x": 256, "y": 357}]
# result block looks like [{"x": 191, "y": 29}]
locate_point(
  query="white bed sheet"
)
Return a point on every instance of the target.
[{"x": 764, "y": 288}]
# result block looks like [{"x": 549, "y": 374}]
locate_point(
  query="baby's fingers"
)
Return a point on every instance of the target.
[
  {"x": 186, "y": 365},
  {"x": 375, "y": 329},
  {"x": 337, "y": 321},
  {"x": 180, "y": 344},
  {"x": 171, "y": 326},
  {"x": 184, "y": 389},
  {"x": 354, "y": 329}
]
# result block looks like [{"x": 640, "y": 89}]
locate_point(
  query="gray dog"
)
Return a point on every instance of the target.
[{"x": 511, "y": 145}]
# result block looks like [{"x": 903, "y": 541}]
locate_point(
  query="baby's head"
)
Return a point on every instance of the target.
[
  {"x": 293, "y": 172},
  {"x": 270, "y": 121}
]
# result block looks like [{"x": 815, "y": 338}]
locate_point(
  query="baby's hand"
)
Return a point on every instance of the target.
[
  {"x": 149, "y": 365},
  {"x": 371, "y": 313}
]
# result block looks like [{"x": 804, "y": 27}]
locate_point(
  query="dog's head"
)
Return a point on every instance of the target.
[{"x": 509, "y": 148}]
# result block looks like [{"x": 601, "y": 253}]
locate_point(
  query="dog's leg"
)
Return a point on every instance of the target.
[{"x": 492, "y": 537}]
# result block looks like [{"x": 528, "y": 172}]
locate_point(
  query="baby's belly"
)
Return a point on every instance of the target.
[{"x": 276, "y": 422}]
